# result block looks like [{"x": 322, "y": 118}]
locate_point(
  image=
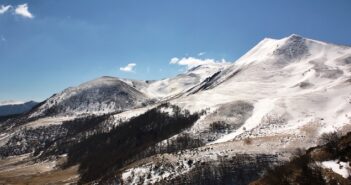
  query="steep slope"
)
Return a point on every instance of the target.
[
  {"x": 102, "y": 95},
  {"x": 292, "y": 83},
  {"x": 174, "y": 86},
  {"x": 140, "y": 85},
  {"x": 281, "y": 95},
  {"x": 10, "y": 109}
]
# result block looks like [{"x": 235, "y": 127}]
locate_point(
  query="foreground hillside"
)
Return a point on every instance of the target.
[
  {"x": 214, "y": 124},
  {"x": 325, "y": 165}
]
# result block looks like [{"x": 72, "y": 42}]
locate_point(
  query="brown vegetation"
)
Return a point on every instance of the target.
[
  {"x": 304, "y": 169},
  {"x": 247, "y": 141}
]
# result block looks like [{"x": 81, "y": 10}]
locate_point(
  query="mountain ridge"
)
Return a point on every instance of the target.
[
  {"x": 280, "y": 95},
  {"x": 12, "y": 108}
]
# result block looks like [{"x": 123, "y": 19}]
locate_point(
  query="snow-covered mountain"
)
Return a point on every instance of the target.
[
  {"x": 292, "y": 83},
  {"x": 15, "y": 107},
  {"x": 102, "y": 95},
  {"x": 175, "y": 86},
  {"x": 110, "y": 94},
  {"x": 281, "y": 95},
  {"x": 231, "y": 118}
]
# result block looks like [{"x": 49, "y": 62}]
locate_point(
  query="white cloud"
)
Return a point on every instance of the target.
[
  {"x": 22, "y": 10},
  {"x": 128, "y": 68},
  {"x": 191, "y": 62},
  {"x": 174, "y": 60},
  {"x": 2, "y": 38},
  {"x": 4, "y": 9},
  {"x": 201, "y": 53}
]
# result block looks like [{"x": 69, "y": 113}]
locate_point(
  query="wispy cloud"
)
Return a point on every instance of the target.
[
  {"x": 128, "y": 68},
  {"x": 174, "y": 60},
  {"x": 191, "y": 62},
  {"x": 22, "y": 10},
  {"x": 4, "y": 9},
  {"x": 201, "y": 53}
]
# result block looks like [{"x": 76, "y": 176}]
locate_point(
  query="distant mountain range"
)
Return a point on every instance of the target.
[
  {"x": 11, "y": 108},
  {"x": 214, "y": 124}
]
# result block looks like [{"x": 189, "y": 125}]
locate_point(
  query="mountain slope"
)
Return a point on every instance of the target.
[
  {"x": 325, "y": 164},
  {"x": 102, "y": 95},
  {"x": 175, "y": 86},
  {"x": 281, "y": 95},
  {"x": 251, "y": 114}
]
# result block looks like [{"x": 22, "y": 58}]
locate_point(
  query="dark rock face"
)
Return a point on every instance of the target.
[
  {"x": 294, "y": 48},
  {"x": 237, "y": 170},
  {"x": 204, "y": 84},
  {"x": 347, "y": 60}
]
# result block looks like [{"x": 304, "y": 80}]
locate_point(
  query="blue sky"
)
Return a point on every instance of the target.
[{"x": 49, "y": 45}]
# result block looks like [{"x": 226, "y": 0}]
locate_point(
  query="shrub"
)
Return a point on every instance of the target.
[
  {"x": 247, "y": 141},
  {"x": 219, "y": 126},
  {"x": 330, "y": 138}
]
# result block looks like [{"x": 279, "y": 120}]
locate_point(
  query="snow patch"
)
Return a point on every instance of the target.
[
  {"x": 339, "y": 167},
  {"x": 152, "y": 173},
  {"x": 261, "y": 108}
]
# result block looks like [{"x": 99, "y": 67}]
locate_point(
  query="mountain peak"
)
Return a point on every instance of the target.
[
  {"x": 101, "y": 81},
  {"x": 107, "y": 77},
  {"x": 290, "y": 37},
  {"x": 292, "y": 47},
  {"x": 102, "y": 95},
  {"x": 295, "y": 36}
]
